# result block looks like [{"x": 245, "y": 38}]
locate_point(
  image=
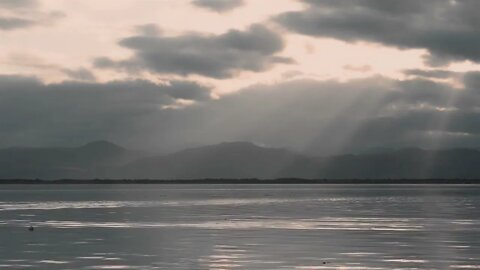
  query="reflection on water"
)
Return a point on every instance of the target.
[{"x": 240, "y": 227}]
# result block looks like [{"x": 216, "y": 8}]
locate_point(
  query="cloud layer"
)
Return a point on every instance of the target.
[
  {"x": 216, "y": 56},
  {"x": 319, "y": 117},
  {"x": 430, "y": 107},
  {"x": 448, "y": 29},
  {"x": 33, "y": 113}
]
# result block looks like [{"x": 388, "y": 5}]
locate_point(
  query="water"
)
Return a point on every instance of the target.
[{"x": 240, "y": 227}]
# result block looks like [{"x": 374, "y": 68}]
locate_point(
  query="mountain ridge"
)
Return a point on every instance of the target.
[
  {"x": 233, "y": 160},
  {"x": 86, "y": 161}
]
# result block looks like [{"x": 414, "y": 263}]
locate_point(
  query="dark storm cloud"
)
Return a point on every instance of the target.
[
  {"x": 472, "y": 81},
  {"x": 325, "y": 117},
  {"x": 448, "y": 29},
  {"x": 34, "y": 113},
  {"x": 218, "y": 5},
  {"x": 425, "y": 113},
  {"x": 319, "y": 117},
  {"x": 187, "y": 90},
  {"x": 217, "y": 56}
]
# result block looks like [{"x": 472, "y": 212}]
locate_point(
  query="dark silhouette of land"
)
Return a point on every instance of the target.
[
  {"x": 237, "y": 162},
  {"x": 296, "y": 181}
]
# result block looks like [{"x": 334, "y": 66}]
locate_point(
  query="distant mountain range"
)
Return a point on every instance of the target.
[
  {"x": 225, "y": 160},
  {"x": 95, "y": 159},
  {"x": 102, "y": 159}
]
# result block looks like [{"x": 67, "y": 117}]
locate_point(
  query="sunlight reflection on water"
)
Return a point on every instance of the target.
[
  {"x": 253, "y": 223},
  {"x": 245, "y": 227},
  {"x": 52, "y": 205}
]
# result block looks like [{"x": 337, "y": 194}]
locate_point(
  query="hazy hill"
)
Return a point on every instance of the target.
[
  {"x": 412, "y": 163},
  {"x": 225, "y": 160},
  {"x": 246, "y": 160},
  {"x": 90, "y": 160},
  {"x": 234, "y": 160}
]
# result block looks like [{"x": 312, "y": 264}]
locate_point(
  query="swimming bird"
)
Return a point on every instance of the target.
[{"x": 31, "y": 228}]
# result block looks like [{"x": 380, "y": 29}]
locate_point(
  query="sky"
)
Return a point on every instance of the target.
[{"x": 315, "y": 76}]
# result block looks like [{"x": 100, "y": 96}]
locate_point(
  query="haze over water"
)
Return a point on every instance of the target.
[{"x": 240, "y": 227}]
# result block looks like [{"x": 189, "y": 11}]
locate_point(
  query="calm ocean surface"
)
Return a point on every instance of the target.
[{"x": 240, "y": 227}]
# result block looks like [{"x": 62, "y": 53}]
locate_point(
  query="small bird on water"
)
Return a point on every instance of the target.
[{"x": 31, "y": 228}]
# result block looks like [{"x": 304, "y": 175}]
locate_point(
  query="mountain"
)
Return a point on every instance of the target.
[
  {"x": 235, "y": 160},
  {"x": 225, "y": 160},
  {"x": 410, "y": 163},
  {"x": 246, "y": 160},
  {"x": 87, "y": 161}
]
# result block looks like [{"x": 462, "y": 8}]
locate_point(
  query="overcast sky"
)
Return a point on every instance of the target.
[{"x": 317, "y": 76}]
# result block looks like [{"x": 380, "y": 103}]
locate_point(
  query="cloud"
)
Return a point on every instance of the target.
[
  {"x": 19, "y": 14},
  {"x": 28, "y": 61},
  {"x": 436, "y": 73},
  {"x": 14, "y": 23},
  {"x": 472, "y": 81},
  {"x": 325, "y": 117},
  {"x": 34, "y": 113},
  {"x": 328, "y": 117},
  {"x": 318, "y": 117},
  {"x": 218, "y": 5},
  {"x": 18, "y": 4},
  {"x": 216, "y": 56},
  {"x": 187, "y": 90},
  {"x": 81, "y": 74},
  {"x": 148, "y": 29},
  {"x": 447, "y": 29},
  {"x": 31, "y": 61}
]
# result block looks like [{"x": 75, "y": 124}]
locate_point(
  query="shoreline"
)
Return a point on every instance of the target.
[{"x": 289, "y": 181}]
